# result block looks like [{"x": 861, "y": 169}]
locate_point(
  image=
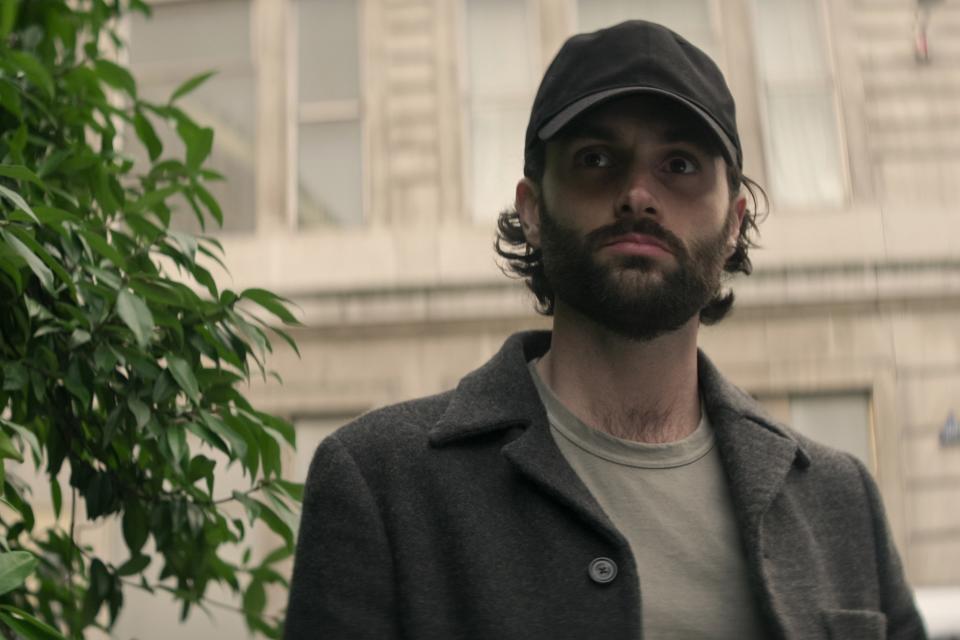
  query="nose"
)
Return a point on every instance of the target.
[{"x": 638, "y": 195}]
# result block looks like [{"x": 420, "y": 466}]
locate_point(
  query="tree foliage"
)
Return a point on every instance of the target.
[{"x": 120, "y": 358}]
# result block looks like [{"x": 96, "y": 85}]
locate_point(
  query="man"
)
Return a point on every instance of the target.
[{"x": 603, "y": 480}]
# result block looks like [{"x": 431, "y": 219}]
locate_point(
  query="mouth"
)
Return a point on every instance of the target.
[{"x": 636, "y": 244}]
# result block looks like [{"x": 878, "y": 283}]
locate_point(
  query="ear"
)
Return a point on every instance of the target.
[
  {"x": 528, "y": 208},
  {"x": 739, "y": 209}
]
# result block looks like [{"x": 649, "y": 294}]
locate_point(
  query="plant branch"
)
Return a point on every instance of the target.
[{"x": 202, "y": 600}]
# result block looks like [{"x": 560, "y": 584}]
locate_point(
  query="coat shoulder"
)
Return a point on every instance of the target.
[
  {"x": 395, "y": 431},
  {"x": 837, "y": 471}
]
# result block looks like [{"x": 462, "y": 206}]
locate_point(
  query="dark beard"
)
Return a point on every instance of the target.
[{"x": 625, "y": 296}]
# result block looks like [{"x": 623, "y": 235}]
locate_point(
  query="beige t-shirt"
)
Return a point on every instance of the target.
[{"x": 672, "y": 504}]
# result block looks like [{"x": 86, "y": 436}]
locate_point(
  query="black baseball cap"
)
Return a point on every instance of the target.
[{"x": 630, "y": 58}]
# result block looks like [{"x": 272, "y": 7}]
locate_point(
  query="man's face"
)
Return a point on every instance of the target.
[{"x": 634, "y": 217}]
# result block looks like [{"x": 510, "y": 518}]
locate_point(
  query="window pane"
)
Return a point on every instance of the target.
[
  {"x": 689, "y": 18},
  {"x": 803, "y": 147},
  {"x": 191, "y": 33},
  {"x": 329, "y": 184},
  {"x": 498, "y": 48},
  {"x": 803, "y": 138},
  {"x": 497, "y": 135},
  {"x": 180, "y": 41},
  {"x": 790, "y": 41},
  {"x": 841, "y": 421},
  {"x": 328, "y": 50},
  {"x": 502, "y": 83}
]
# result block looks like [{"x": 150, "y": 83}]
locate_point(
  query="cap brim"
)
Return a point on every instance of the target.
[{"x": 574, "y": 109}]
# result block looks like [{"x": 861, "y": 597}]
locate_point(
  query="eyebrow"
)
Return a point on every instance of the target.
[{"x": 688, "y": 134}]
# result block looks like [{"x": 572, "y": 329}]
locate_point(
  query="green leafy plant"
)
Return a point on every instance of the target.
[{"x": 120, "y": 358}]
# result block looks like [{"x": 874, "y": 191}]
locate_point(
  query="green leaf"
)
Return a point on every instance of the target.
[
  {"x": 209, "y": 202},
  {"x": 21, "y": 173},
  {"x": 183, "y": 374},
  {"x": 151, "y": 199},
  {"x": 278, "y": 555},
  {"x": 18, "y": 143},
  {"x": 28, "y": 240},
  {"x": 27, "y": 626},
  {"x": 198, "y": 140},
  {"x": 238, "y": 443},
  {"x": 27, "y": 435},
  {"x": 140, "y": 411},
  {"x": 278, "y": 425},
  {"x": 10, "y": 98},
  {"x": 254, "y": 598},
  {"x": 134, "y": 565},
  {"x": 75, "y": 383},
  {"x": 36, "y": 264},
  {"x": 78, "y": 338},
  {"x": 147, "y": 135},
  {"x": 276, "y": 523},
  {"x": 101, "y": 246},
  {"x": 201, "y": 468},
  {"x": 187, "y": 243},
  {"x": 8, "y": 16},
  {"x": 206, "y": 434},
  {"x": 15, "y": 566},
  {"x": 116, "y": 76},
  {"x": 190, "y": 85},
  {"x": 177, "y": 440},
  {"x": 292, "y": 489},
  {"x": 15, "y": 376},
  {"x": 136, "y": 315},
  {"x": 272, "y": 303},
  {"x": 53, "y": 216},
  {"x": 158, "y": 292},
  {"x": 135, "y": 526},
  {"x": 18, "y": 202},
  {"x": 8, "y": 449},
  {"x": 56, "y": 496},
  {"x": 33, "y": 69}
]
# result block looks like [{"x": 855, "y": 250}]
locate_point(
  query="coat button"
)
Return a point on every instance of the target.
[{"x": 602, "y": 570}]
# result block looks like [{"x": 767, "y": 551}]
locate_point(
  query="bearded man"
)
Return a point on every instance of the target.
[{"x": 603, "y": 480}]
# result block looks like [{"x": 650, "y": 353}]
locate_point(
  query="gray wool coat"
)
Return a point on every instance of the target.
[{"x": 457, "y": 517}]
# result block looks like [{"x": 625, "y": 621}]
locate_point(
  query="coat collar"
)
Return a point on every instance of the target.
[{"x": 757, "y": 454}]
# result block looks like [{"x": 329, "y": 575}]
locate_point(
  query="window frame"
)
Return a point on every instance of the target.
[
  {"x": 173, "y": 73},
  {"x": 538, "y": 64},
  {"x": 830, "y": 83},
  {"x": 323, "y": 111}
]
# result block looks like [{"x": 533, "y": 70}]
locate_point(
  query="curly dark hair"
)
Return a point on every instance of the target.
[{"x": 524, "y": 261}]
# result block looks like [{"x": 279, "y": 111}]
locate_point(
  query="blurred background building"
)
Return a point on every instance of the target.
[{"x": 370, "y": 144}]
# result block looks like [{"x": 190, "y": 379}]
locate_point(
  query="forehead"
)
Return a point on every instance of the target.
[{"x": 667, "y": 119}]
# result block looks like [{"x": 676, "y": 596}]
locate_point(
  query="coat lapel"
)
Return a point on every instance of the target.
[
  {"x": 502, "y": 395},
  {"x": 757, "y": 455}
]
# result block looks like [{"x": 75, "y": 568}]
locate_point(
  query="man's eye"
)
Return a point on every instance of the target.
[
  {"x": 597, "y": 159},
  {"x": 679, "y": 164}
]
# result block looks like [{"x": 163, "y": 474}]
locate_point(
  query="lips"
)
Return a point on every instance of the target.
[{"x": 636, "y": 242}]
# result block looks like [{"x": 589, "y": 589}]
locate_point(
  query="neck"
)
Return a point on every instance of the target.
[{"x": 643, "y": 391}]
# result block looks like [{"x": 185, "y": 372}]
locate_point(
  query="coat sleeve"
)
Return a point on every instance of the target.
[
  {"x": 343, "y": 584},
  {"x": 903, "y": 618}
]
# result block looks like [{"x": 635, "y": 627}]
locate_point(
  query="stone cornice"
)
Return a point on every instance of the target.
[{"x": 794, "y": 288}]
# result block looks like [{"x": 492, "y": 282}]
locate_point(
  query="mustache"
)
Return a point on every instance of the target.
[{"x": 645, "y": 226}]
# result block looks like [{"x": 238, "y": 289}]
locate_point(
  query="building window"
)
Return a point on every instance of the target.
[
  {"x": 502, "y": 69},
  {"x": 181, "y": 40},
  {"x": 841, "y": 420},
  {"x": 329, "y": 139},
  {"x": 798, "y": 102}
]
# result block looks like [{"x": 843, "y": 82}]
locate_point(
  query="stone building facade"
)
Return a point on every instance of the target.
[{"x": 372, "y": 143}]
